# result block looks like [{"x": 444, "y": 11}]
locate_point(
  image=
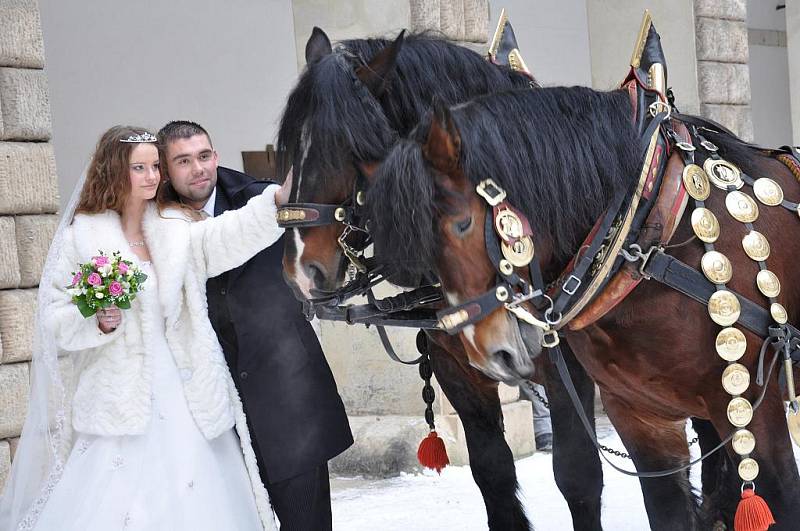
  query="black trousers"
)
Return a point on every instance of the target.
[{"x": 303, "y": 502}]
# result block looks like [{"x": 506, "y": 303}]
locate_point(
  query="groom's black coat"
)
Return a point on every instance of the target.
[{"x": 294, "y": 410}]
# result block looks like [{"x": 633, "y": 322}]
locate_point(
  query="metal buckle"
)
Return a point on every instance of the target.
[
  {"x": 491, "y": 192},
  {"x": 573, "y": 290},
  {"x": 634, "y": 254},
  {"x": 709, "y": 146},
  {"x": 685, "y": 146},
  {"x": 659, "y": 106},
  {"x": 550, "y": 339}
]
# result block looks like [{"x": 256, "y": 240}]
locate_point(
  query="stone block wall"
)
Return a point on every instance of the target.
[
  {"x": 28, "y": 203},
  {"x": 723, "y": 74}
]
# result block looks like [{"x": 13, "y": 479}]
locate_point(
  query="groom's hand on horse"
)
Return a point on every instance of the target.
[{"x": 282, "y": 195}]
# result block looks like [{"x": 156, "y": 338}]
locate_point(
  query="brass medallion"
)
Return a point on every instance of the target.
[
  {"x": 768, "y": 191},
  {"x": 740, "y": 412},
  {"x": 743, "y": 442},
  {"x": 696, "y": 182},
  {"x": 731, "y": 344},
  {"x": 723, "y": 174},
  {"x": 520, "y": 253},
  {"x": 768, "y": 283},
  {"x": 508, "y": 225},
  {"x": 778, "y": 312},
  {"x": 742, "y": 207},
  {"x": 793, "y": 419},
  {"x": 724, "y": 307},
  {"x": 735, "y": 379},
  {"x": 756, "y": 246},
  {"x": 748, "y": 469},
  {"x": 716, "y": 267},
  {"x": 705, "y": 225}
]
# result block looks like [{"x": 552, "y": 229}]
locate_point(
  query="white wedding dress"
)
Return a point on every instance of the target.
[{"x": 170, "y": 478}]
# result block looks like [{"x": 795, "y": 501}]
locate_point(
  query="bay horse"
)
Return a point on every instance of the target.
[
  {"x": 348, "y": 108},
  {"x": 562, "y": 155}
]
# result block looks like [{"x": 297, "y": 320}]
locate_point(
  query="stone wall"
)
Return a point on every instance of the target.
[
  {"x": 28, "y": 202},
  {"x": 723, "y": 74}
]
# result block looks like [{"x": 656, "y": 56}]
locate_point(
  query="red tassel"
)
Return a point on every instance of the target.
[
  {"x": 432, "y": 453},
  {"x": 753, "y": 513}
]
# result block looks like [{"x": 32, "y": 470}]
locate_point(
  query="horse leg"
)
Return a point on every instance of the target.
[
  {"x": 576, "y": 466},
  {"x": 720, "y": 493},
  {"x": 778, "y": 481},
  {"x": 655, "y": 443},
  {"x": 477, "y": 403}
]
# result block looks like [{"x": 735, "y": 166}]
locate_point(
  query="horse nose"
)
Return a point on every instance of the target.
[
  {"x": 514, "y": 365},
  {"x": 315, "y": 272}
]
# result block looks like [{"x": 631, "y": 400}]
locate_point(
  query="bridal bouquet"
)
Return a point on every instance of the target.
[{"x": 105, "y": 281}]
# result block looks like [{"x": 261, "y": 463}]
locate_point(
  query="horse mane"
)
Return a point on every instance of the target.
[
  {"x": 745, "y": 155},
  {"x": 342, "y": 119},
  {"x": 560, "y": 153}
]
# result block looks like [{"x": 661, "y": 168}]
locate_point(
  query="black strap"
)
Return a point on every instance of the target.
[
  {"x": 387, "y": 345},
  {"x": 567, "y": 292},
  {"x": 558, "y": 359},
  {"x": 366, "y": 314},
  {"x": 683, "y": 278}
]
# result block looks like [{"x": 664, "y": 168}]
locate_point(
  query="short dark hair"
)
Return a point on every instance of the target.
[{"x": 181, "y": 129}]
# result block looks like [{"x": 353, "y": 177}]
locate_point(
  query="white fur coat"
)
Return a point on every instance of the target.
[{"x": 113, "y": 390}]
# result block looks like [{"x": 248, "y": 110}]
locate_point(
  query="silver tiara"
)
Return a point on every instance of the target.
[{"x": 144, "y": 137}]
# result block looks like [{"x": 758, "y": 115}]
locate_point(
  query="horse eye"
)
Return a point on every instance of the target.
[{"x": 463, "y": 225}]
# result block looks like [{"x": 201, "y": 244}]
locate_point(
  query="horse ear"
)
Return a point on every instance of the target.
[
  {"x": 376, "y": 73},
  {"x": 318, "y": 46},
  {"x": 442, "y": 148}
]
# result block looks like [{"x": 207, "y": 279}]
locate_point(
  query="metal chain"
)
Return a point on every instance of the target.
[{"x": 543, "y": 400}]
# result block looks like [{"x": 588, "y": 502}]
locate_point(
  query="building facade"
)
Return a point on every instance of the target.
[{"x": 68, "y": 71}]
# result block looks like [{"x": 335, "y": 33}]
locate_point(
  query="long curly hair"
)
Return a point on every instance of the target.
[{"x": 108, "y": 184}]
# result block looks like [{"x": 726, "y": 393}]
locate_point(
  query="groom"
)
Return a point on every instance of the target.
[{"x": 296, "y": 417}]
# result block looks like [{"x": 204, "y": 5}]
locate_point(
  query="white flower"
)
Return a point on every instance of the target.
[
  {"x": 99, "y": 294},
  {"x": 74, "y": 292},
  {"x": 105, "y": 270}
]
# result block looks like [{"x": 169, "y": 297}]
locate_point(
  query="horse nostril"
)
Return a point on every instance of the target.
[
  {"x": 314, "y": 272},
  {"x": 508, "y": 360}
]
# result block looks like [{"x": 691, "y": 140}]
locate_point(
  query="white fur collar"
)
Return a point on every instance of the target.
[{"x": 167, "y": 236}]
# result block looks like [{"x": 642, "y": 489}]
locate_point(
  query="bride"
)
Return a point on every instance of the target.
[{"x": 132, "y": 414}]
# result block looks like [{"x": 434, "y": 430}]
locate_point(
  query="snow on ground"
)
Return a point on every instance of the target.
[{"x": 452, "y": 502}]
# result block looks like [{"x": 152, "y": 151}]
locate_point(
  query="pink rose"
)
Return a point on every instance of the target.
[
  {"x": 99, "y": 261},
  {"x": 94, "y": 279},
  {"x": 115, "y": 288},
  {"x": 123, "y": 268},
  {"x": 77, "y": 278}
]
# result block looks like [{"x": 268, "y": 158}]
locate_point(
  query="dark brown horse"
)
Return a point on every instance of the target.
[
  {"x": 562, "y": 155},
  {"x": 347, "y": 110}
]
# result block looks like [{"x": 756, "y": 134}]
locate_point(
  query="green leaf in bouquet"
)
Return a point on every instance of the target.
[
  {"x": 124, "y": 304},
  {"x": 85, "y": 309}
]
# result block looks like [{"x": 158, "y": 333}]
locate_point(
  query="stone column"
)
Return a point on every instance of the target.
[
  {"x": 793, "y": 45},
  {"x": 723, "y": 73},
  {"x": 28, "y": 202},
  {"x": 382, "y": 397}
]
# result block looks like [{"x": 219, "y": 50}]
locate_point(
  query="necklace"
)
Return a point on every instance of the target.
[{"x": 140, "y": 243}]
